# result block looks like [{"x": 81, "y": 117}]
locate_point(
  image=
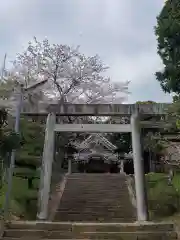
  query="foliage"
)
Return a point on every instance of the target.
[
  {"x": 174, "y": 114},
  {"x": 158, "y": 141},
  {"x": 6, "y": 88},
  {"x": 145, "y": 102},
  {"x": 9, "y": 140},
  {"x": 163, "y": 199},
  {"x": 152, "y": 141},
  {"x": 168, "y": 150},
  {"x": 26, "y": 172},
  {"x": 33, "y": 137},
  {"x": 164, "y": 202},
  {"x": 19, "y": 206},
  {"x": 28, "y": 158},
  {"x": 72, "y": 77},
  {"x": 122, "y": 141},
  {"x": 168, "y": 38},
  {"x": 63, "y": 146}
]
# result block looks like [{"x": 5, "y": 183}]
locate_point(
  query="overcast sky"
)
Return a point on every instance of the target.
[{"x": 120, "y": 31}]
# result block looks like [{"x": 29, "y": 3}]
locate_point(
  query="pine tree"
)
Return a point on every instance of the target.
[{"x": 168, "y": 38}]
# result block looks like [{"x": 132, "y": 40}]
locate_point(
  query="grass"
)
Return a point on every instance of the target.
[
  {"x": 18, "y": 200},
  {"x": 176, "y": 182},
  {"x": 163, "y": 200},
  {"x": 161, "y": 178},
  {"x": 154, "y": 180}
]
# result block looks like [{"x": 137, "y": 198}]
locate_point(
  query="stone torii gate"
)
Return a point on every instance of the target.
[{"x": 135, "y": 111}]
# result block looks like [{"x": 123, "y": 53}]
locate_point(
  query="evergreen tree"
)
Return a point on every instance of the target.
[
  {"x": 168, "y": 38},
  {"x": 9, "y": 140}
]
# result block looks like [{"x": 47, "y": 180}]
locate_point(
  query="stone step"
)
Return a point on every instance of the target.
[
  {"x": 111, "y": 217},
  {"x": 87, "y": 177},
  {"x": 100, "y": 180},
  {"x": 88, "y": 227},
  {"x": 94, "y": 199},
  {"x": 85, "y": 216},
  {"x": 90, "y": 187},
  {"x": 97, "y": 203},
  {"x": 49, "y": 230},
  {"x": 7, "y": 238},
  {"x": 102, "y": 189},
  {"x": 113, "y": 182},
  {"x": 65, "y": 226},
  {"x": 97, "y": 198},
  {"x": 91, "y": 215},
  {"x": 97, "y": 191},
  {"x": 90, "y": 209},
  {"x": 98, "y": 184},
  {"x": 92, "y": 219},
  {"x": 70, "y": 205},
  {"x": 97, "y": 174},
  {"x": 26, "y": 234}
]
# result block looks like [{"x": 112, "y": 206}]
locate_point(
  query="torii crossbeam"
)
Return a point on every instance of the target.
[{"x": 68, "y": 109}]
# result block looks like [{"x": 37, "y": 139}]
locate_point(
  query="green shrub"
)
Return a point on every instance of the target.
[{"x": 163, "y": 201}]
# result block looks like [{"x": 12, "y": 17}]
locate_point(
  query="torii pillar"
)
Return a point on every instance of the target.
[
  {"x": 46, "y": 168},
  {"x": 141, "y": 194}
]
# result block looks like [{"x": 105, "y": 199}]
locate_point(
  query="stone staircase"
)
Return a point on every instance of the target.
[
  {"x": 96, "y": 198},
  {"x": 88, "y": 199},
  {"x": 113, "y": 231}
]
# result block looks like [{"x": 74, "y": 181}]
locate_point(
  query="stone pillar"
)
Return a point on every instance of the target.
[
  {"x": 69, "y": 166},
  {"x": 46, "y": 168},
  {"x": 141, "y": 195},
  {"x": 122, "y": 166}
]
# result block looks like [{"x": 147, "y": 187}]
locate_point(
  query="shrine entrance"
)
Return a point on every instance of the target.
[
  {"x": 96, "y": 164},
  {"x": 129, "y": 167},
  {"x": 133, "y": 111}
]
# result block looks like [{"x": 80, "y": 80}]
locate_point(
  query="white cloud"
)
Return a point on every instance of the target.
[
  {"x": 120, "y": 31},
  {"x": 14, "y": 10},
  {"x": 136, "y": 68}
]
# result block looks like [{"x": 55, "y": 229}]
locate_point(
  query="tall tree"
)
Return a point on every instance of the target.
[
  {"x": 72, "y": 76},
  {"x": 168, "y": 38},
  {"x": 8, "y": 140}
]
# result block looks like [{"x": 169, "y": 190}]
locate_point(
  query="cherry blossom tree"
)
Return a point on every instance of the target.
[{"x": 72, "y": 76}]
